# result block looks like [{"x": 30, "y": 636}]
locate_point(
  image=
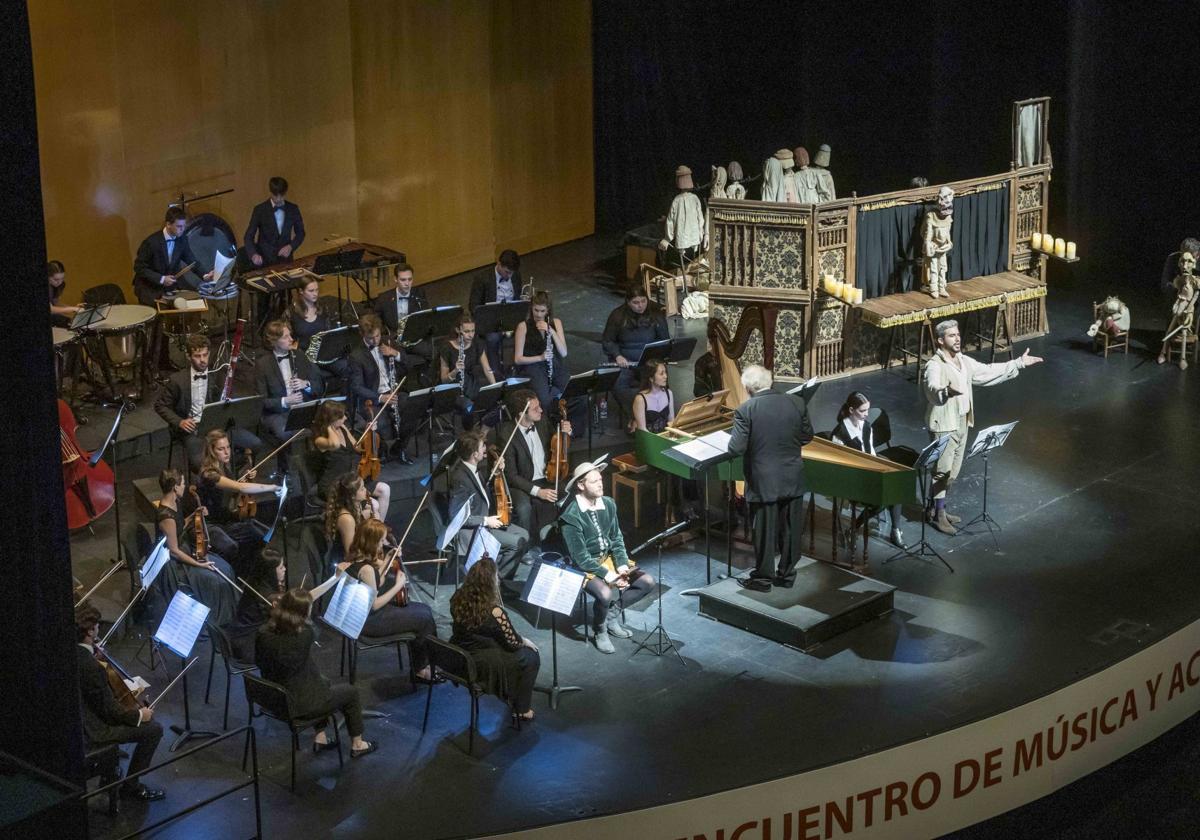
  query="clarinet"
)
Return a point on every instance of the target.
[
  {"x": 392, "y": 383},
  {"x": 549, "y": 336},
  {"x": 462, "y": 367}
]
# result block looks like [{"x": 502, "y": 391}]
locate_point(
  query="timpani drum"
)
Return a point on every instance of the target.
[{"x": 124, "y": 332}]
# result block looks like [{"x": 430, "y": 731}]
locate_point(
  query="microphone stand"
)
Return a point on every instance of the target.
[{"x": 662, "y": 640}]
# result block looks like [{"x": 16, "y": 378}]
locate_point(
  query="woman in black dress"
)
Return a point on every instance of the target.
[
  {"x": 283, "y": 652},
  {"x": 346, "y": 508},
  {"x": 56, "y": 276},
  {"x": 370, "y": 565},
  {"x": 507, "y": 664},
  {"x": 540, "y": 351},
  {"x": 305, "y": 318},
  {"x": 462, "y": 360},
  {"x": 339, "y": 456},
  {"x": 654, "y": 405},
  {"x": 201, "y": 577},
  {"x": 219, "y": 491}
]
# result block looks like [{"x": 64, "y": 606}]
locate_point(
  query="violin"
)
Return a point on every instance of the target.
[
  {"x": 402, "y": 594},
  {"x": 369, "y": 464},
  {"x": 116, "y": 676},
  {"x": 500, "y": 489},
  {"x": 247, "y": 508},
  {"x": 199, "y": 529},
  {"x": 557, "y": 467},
  {"x": 88, "y": 488}
]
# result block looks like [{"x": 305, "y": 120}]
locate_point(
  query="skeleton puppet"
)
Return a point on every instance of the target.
[
  {"x": 935, "y": 233},
  {"x": 1187, "y": 285}
]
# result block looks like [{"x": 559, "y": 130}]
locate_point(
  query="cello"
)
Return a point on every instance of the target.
[{"x": 88, "y": 487}]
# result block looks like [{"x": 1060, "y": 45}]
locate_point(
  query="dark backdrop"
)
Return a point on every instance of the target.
[{"x": 901, "y": 90}]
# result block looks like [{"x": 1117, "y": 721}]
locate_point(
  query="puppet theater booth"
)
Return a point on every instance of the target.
[{"x": 836, "y": 286}]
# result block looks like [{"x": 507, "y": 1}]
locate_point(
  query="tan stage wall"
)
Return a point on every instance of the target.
[{"x": 448, "y": 130}]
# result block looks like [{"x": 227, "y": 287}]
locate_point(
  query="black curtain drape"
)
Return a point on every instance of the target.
[
  {"x": 889, "y": 249},
  {"x": 888, "y": 253},
  {"x": 980, "y": 235}
]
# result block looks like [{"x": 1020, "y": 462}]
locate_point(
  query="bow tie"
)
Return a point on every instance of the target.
[
  {"x": 530, "y": 430},
  {"x": 276, "y": 209},
  {"x": 196, "y": 376},
  {"x": 282, "y": 358}
]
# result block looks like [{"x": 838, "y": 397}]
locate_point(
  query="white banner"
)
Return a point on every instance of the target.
[{"x": 929, "y": 787}]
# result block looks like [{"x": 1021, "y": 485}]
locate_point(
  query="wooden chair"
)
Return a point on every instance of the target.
[
  {"x": 1104, "y": 340},
  {"x": 632, "y": 474},
  {"x": 1179, "y": 346},
  {"x": 274, "y": 701}
]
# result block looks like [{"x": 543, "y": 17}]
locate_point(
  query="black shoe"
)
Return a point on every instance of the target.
[
  {"x": 436, "y": 679},
  {"x": 142, "y": 793},
  {"x": 371, "y": 747},
  {"x": 404, "y": 458},
  {"x": 786, "y": 582},
  {"x": 757, "y": 584},
  {"x": 328, "y": 745}
]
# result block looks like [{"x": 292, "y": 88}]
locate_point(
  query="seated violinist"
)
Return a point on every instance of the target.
[
  {"x": 201, "y": 575},
  {"x": 339, "y": 453},
  {"x": 105, "y": 721},
  {"x": 533, "y": 496},
  {"x": 377, "y": 375},
  {"x": 220, "y": 492},
  {"x": 470, "y": 484},
  {"x": 346, "y": 508}
]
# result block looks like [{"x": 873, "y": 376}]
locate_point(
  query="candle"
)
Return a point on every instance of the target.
[
  {"x": 830, "y": 284},
  {"x": 1060, "y": 247},
  {"x": 858, "y": 296},
  {"x": 1035, "y": 241},
  {"x": 1070, "y": 250},
  {"x": 1047, "y": 242},
  {"x": 837, "y": 287}
]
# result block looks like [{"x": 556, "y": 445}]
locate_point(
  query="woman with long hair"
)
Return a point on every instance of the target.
[
  {"x": 305, "y": 317},
  {"x": 506, "y": 662},
  {"x": 854, "y": 430},
  {"x": 339, "y": 454},
  {"x": 202, "y": 577},
  {"x": 540, "y": 351},
  {"x": 347, "y": 506},
  {"x": 462, "y": 360},
  {"x": 56, "y": 277},
  {"x": 370, "y": 564},
  {"x": 629, "y": 328},
  {"x": 219, "y": 489},
  {"x": 654, "y": 405},
  {"x": 283, "y": 652}
]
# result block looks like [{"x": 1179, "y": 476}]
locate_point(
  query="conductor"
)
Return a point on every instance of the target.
[{"x": 769, "y": 430}]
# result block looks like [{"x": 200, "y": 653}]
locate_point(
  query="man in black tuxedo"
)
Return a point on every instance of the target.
[
  {"x": 769, "y": 430},
  {"x": 533, "y": 497},
  {"x": 181, "y": 403},
  {"x": 276, "y": 228},
  {"x": 393, "y": 308},
  {"x": 371, "y": 366},
  {"x": 469, "y": 485},
  {"x": 104, "y": 720},
  {"x": 499, "y": 283},
  {"x": 160, "y": 257},
  {"x": 283, "y": 378}
]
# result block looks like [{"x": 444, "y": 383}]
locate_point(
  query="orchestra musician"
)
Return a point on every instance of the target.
[
  {"x": 540, "y": 351},
  {"x": 462, "y": 361},
  {"x": 107, "y": 722},
  {"x": 56, "y": 276},
  {"x": 469, "y": 484},
  {"x": 265, "y": 582},
  {"x": 305, "y": 317},
  {"x": 375, "y": 369},
  {"x": 181, "y": 402},
  {"x": 276, "y": 228},
  {"x": 394, "y": 308},
  {"x": 369, "y": 564},
  {"x": 284, "y": 378},
  {"x": 284, "y": 655},
  {"x": 499, "y": 283},
  {"x": 629, "y": 328},
  {"x": 506, "y": 662},
  {"x": 853, "y": 429},
  {"x": 219, "y": 491},
  {"x": 533, "y": 497},
  {"x": 347, "y": 506},
  {"x": 654, "y": 404},
  {"x": 769, "y": 430},
  {"x": 593, "y": 538},
  {"x": 161, "y": 256},
  {"x": 337, "y": 454},
  {"x": 201, "y": 577}
]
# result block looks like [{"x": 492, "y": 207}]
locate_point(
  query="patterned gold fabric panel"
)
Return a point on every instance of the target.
[
  {"x": 779, "y": 258},
  {"x": 789, "y": 342}
]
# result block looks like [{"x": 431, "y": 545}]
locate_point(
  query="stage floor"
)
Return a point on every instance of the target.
[{"x": 1097, "y": 496}]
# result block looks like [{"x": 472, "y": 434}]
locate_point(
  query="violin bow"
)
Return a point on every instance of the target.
[
  {"x": 511, "y": 435},
  {"x": 119, "y": 565},
  {"x": 382, "y": 406},
  {"x": 255, "y": 591},
  {"x": 268, "y": 456},
  {"x": 124, "y": 613}
]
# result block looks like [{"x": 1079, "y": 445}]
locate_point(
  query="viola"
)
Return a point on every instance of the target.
[
  {"x": 88, "y": 488},
  {"x": 369, "y": 464},
  {"x": 199, "y": 528},
  {"x": 557, "y": 466},
  {"x": 247, "y": 507},
  {"x": 116, "y": 676},
  {"x": 500, "y": 491}
]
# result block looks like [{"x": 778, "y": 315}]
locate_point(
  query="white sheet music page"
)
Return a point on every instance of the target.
[
  {"x": 483, "y": 541},
  {"x": 555, "y": 588},
  {"x": 349, "y": 607},
  {"x": 707, "y": 447},
  {"x": 181, "y": 625},
  {"x": 157, "y": 559}
]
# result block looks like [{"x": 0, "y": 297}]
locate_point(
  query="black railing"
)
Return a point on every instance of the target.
[{"x": 253, "y": 780}]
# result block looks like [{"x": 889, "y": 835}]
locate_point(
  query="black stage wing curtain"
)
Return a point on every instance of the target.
[{"x": 888, "y": 255}]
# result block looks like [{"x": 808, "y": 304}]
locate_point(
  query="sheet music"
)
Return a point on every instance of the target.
[
  {"x": 993, "y": 436},
  {"x": 706, "y": 447},
  {"x": 155, "y": 561},
  {"x": 481, "y": 542},
  {"x": 349, "y": 607},
  {"x": 810, "y": 383},
  {"x": 555, "y": 588},
  {"x": 181, "y": 625},
  {"x": 456, "y": 525}
]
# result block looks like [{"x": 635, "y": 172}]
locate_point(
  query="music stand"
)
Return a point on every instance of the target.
[
  {"x": 422, "y": 405},
  {"x": 489, "y": 396},
  {"x": 335, "y": 344},
  {"x": 242, "y": 412},
  {"x": 924, "y": 466},
  {"x": 302, "y": 414},
  {"x": 555, "y": 588},
  {"x": 499, "y": 318},
  {"x": 339, "y": 262},
  {"x": 588, "y": 384},
  {"x": 89, "y": 316},
  {"x": 701, "y": 454},
  {"x": 669, "y": 350},
  {"x": 349, "y": 607},
  {"x": 177, "y": 632},
  {"x": 993, "y": 437},
  {"x": 112, "y": 462},
  {"x": 427, "y": 323},
  {"x": 663, "y": 642}
]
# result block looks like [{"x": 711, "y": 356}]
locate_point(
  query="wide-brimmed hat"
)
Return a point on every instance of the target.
[{"x": 586, "y": 467}]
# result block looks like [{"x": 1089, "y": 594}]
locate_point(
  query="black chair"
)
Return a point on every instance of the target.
[
  {"x": 881, "y": 430},
  {"x": 352, "y": 647},
  {"x": 97, "y": 758},
  {"x": 233, "y": 666},
  {"x": 109, "y": 293},
  {"x": 457, "y": 666},
  {"x": 274, "y": 701},
  {"x": 439, "y": 506}
]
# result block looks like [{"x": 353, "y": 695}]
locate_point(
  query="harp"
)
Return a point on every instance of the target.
[{"x": 729, "y": 349}]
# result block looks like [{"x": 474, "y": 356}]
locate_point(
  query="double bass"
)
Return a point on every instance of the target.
[{"x": 88, "y": 488}]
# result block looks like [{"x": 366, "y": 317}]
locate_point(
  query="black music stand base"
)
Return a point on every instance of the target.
[
  {"x": 662, "y": 639},
  {"x": 923, "y": 548},
  {"x": 185, "y": 732},
  {"x": 554, "y": 691},
  {"x": 984, "y": 517}
]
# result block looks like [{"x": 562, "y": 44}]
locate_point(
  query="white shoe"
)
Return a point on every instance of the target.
[
  {"x": 603, "y": 643},
  {"x": 898, "y": 538},
  {"x": 614, "y": 628}
]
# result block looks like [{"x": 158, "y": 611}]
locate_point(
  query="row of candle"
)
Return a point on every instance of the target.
[
  {"x": 843, "y": 291},
  {"x": 1047, "y": 243}
]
